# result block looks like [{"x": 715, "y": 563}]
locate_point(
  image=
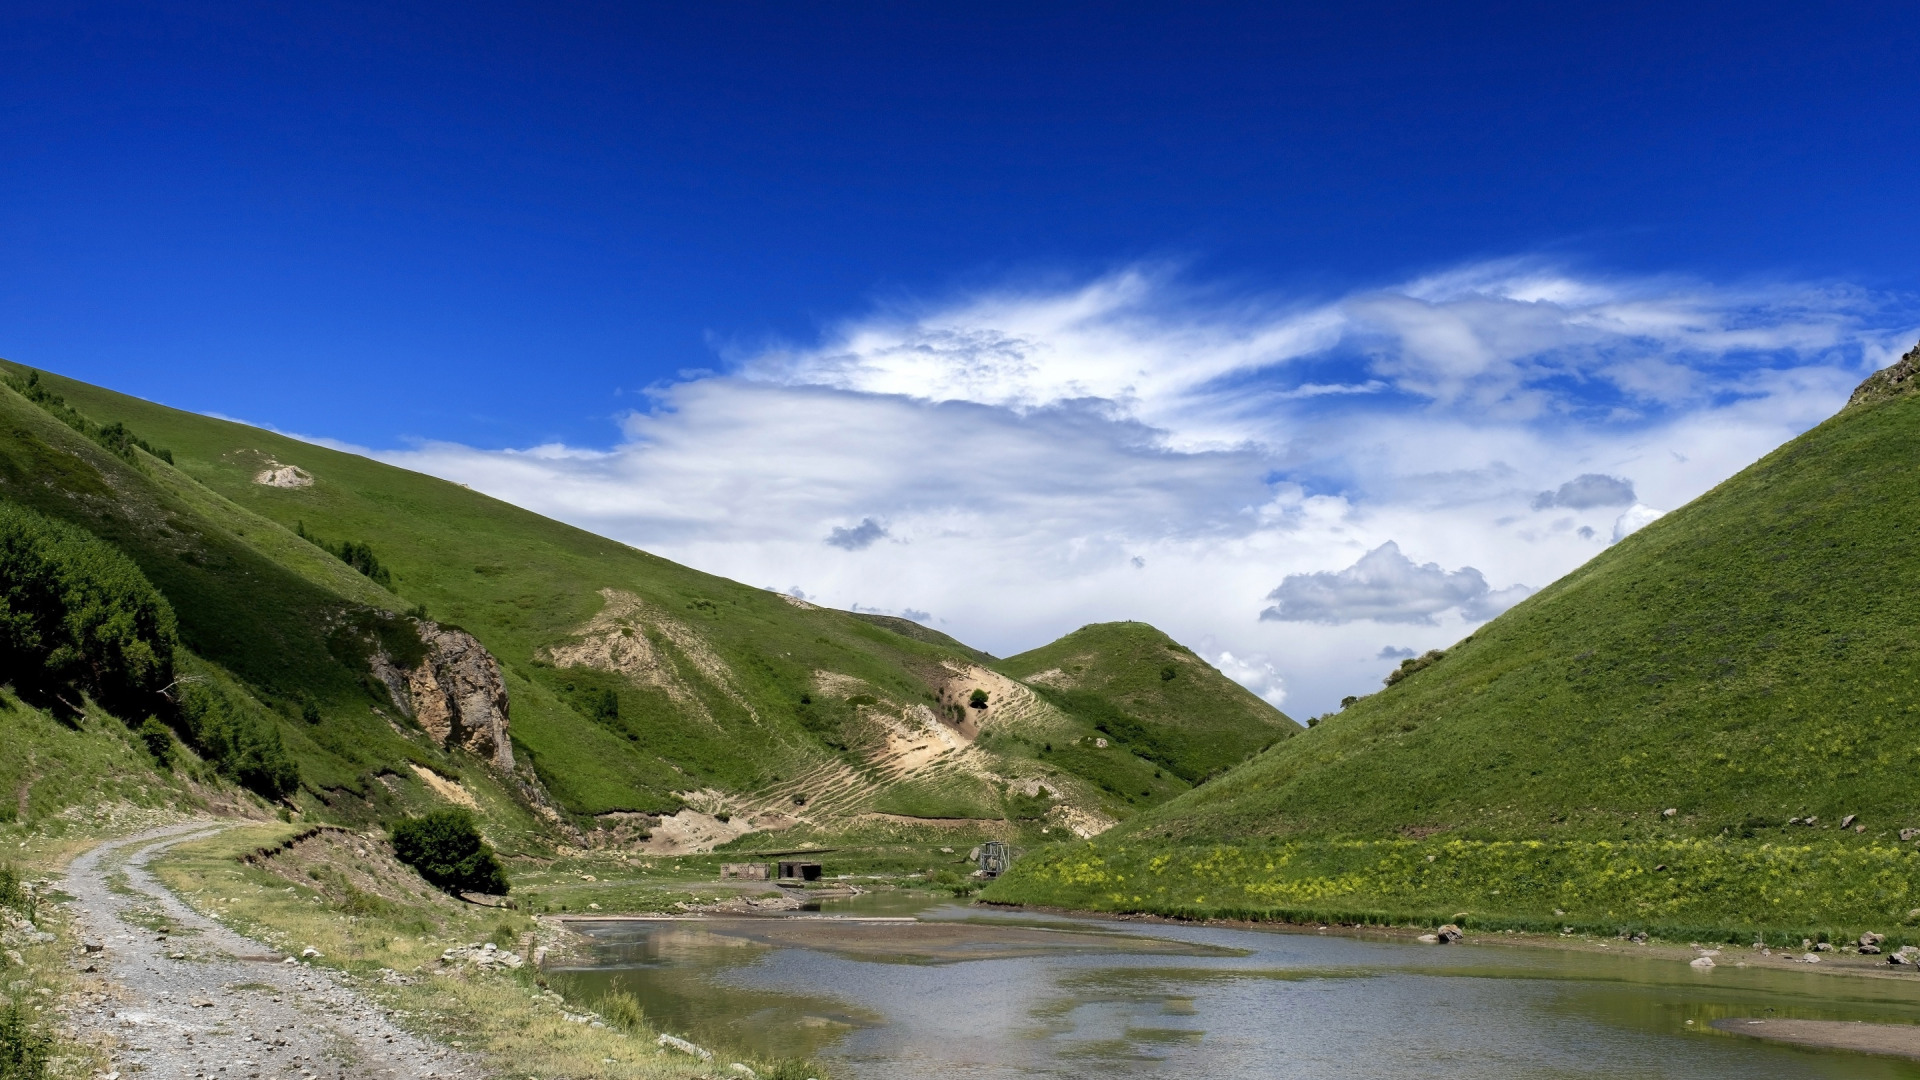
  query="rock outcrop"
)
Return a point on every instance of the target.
[
  {"x": 456, "y": 694},
  {"x": 1891, "y": 381}
]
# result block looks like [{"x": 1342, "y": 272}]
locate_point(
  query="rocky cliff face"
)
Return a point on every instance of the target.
[{"x": 455, "y": 694}]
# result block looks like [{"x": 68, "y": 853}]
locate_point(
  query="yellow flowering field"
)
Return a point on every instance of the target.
[{"x": 1725, "y": 889}]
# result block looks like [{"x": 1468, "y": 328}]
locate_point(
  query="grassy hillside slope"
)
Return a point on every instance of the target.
[
  {"x": 1630, "y": 743},
  {"x": 1139, "y": 687},
  {"x": 635, "y": 684}
]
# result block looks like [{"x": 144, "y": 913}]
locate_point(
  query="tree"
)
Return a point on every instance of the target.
[
  {"x": 77, "y": 614},
  {"x": 977, "y": 699},
  {"x": 447, "y": 849}
]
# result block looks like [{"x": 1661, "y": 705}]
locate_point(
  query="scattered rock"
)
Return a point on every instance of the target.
[
  {"x": 685, "y": 1047},
  {"x": 311, "y": 953},
  {"x": 1701, "y": 962},
  {"x": 1430, "y": 939},
  {"x": 1870, "y": 950},
  {"x": 1847, "y": 822},
  {"x": 1822, "y": 946},
  {"x": 483, "y": 957},
  {"x": 1448, "y": 934},
  {"x": 1810, "y": 958},
  {"x": 203, "y": 1003},
  {"x": 1909, "y": 834},
  {"x": 92, "y": 946},
  {"x": 1670, "y": 811},
  {"x": 1871, "y": 938}
]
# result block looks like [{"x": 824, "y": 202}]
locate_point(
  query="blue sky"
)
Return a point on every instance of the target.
[{"x": 1013, "y": 317}]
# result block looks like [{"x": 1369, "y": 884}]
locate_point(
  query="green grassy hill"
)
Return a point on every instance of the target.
[
  {"x": 1140, "y": 688},
  {"x": 636, "y": 685},
  {"x": 1629, "y": 744}
]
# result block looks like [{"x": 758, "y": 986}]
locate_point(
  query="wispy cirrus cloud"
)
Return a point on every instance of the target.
[{"x": 1136, "y": 447}]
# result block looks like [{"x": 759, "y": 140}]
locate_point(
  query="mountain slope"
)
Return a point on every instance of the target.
[
  {"x": 1750, "y": 659},
  {"x": 636, "y": 685},
  {"x": 1140, "y": 687}
]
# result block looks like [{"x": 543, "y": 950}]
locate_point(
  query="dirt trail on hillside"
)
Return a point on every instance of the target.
[{"x": 207, "y": 1002}]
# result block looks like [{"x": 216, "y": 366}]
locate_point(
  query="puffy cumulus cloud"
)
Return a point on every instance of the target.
[
  {"x": 1394, "y": 652},
  {"x": 1255, "y": 673},
  {"x": 1586, "y": 491},
  {"x": 1636, "y": 518},
  {"x": 1133, "y": 447},
  {"x": 858, "y": 538},
  {"x": 1384, "y": 586}
]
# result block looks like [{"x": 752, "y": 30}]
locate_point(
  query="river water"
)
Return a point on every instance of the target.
[{"x": 983, "y": 995}]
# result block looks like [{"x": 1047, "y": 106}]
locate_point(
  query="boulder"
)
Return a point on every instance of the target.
[
  {"x": 1847, "y": 822},
  {"x": 1701, "y": 962},
  {"x": 1871, "y": 938},
  {"x": 1448, "y": 934}
]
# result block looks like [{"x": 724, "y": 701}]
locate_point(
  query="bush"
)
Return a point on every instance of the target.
[
  {"x": 23, "y": 1051},
  {"x": 237, "y": 736},
  {"x": 446, "y": 847},
  {"x": 77, "y": 614},
  {"x": 11, "y": 894},
  {"x": 158, "y": 739},
  {"x": 622, "y": 1012},
  {"x": 355, "y": 554},
  {"x": 114, "y": 436}
]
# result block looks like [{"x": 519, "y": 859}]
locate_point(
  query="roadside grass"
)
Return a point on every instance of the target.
[
  {"x": 389, "y": 943},
  {"x": 1681, "y": 889}
]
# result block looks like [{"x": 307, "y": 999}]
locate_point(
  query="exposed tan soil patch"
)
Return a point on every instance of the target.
[
  {"x": 633, "y": 638},
  {"x": 447, "y": 789}
]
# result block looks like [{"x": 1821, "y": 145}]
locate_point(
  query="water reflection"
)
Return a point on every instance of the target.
[{"x": 977, "y": 994}]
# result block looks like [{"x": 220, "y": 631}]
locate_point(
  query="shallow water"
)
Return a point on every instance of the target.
[{"x": 983, "y": 995}]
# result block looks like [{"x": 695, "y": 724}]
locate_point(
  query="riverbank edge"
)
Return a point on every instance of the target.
[{"x": 1852, "y": 965}]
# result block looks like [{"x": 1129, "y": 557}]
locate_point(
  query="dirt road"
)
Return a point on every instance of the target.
[{"x": 202, "y": 1001}]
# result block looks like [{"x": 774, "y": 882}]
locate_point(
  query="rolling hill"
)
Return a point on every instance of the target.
[
  {"x": 407, "y": 640},
  {"x": 1715, "y": 722}
]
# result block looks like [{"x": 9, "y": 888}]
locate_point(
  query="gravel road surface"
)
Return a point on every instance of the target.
[{"x": 205, "y": 1002}]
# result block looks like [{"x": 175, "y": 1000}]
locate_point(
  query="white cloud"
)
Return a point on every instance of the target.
[
  {"x": 1255, "y": 673},
  {"x": 1587, "y": 491},
  {"x": 1132, "y": 448},
  {"x": 1384, "y": 586},
  {"x": 1636, "y": 518}
]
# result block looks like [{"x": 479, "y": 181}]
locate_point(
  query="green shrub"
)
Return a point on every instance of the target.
[
  {"x": 622, "y": 1012},
  {"x": 158, "y": 739},
  {"x": 23, "y": 1051},
  {"x": 11, "y": 894},
  {"x": 76, "y": 614},
  {"x": 237, "y": 735},
  {"x": 114, "y": 436},
  {"x": 447, "y": 849},
  {"x": 355, "y": 554}
]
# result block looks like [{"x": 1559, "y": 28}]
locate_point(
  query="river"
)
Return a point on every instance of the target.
[{"x": 968, "y": 993}]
